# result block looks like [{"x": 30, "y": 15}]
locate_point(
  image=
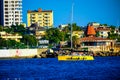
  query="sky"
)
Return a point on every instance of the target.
[{"x": 84, "y": 11}]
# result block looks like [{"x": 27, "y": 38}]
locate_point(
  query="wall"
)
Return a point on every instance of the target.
[{"x": 18, "y": 52}]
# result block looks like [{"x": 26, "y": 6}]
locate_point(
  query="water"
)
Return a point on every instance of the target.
[{"x": 102, "y": 68}]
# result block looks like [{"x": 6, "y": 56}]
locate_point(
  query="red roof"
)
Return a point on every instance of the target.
[
  {"x": 94, "y": 39},
  {"x": 90, "y": 31}
]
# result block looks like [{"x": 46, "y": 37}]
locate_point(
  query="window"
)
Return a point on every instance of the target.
[
  {"x": 101, "y": 32},
  {"x": 6, "y": 5},
  {"x": 6, "y": 8},
  {"x": 6, "y": 1}
]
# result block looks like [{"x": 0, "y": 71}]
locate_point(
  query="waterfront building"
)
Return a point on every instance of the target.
[
  {"x": 8, "y": 36},
  {"x": 95, "y": 44},
  {"x": 41, "y": 17},
  {"x": 10, "y": 12}
]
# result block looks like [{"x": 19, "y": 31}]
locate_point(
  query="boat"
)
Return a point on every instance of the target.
[
  {"x": 76, "y": 55},
  {"x": 74, "y": 58}
]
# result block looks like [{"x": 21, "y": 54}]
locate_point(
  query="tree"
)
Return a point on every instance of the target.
[
  {"x": 54, "y": 35},
  {"x": 18, "y": 29},
  {"x": 75, "y": 41},
  {"x": 104, "y": 24},
  {"x": 75, "y": 27},
  {"x": 29, "y": 40},
  {"x": 97, "y": 34},
  {"x": 1, "y": 28}
]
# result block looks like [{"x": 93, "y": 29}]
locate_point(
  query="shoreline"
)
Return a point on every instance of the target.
[{"x": 15, "y": 58}]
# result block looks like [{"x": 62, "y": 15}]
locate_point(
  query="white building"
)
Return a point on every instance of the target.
[
  {"x": 10, "y": 12},
  {"x": 62, "y": 26},
  {"x": 94, "y": 24},
  {"x": 103, "y": 31}
]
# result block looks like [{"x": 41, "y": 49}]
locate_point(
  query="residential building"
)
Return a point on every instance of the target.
[
  {"x": 36, "y": 30},
  {"x": 62, "y": 26},
  {"x": 10, "y": 12},
  {"x": 96, "y": 44},
  {"x": 41, "y": 17},
  {"x": 94, "y": 24},
  {"x": 103, "y": 31},
  {"x": 8, "y": 36},
  {"x": 43, "y": 43},
  {"x": 79, "y": 34}
]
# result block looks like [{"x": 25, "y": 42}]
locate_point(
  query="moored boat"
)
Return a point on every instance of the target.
[
  {"x": 76, "y": 55},
  {"x": 74, "y": 58}
]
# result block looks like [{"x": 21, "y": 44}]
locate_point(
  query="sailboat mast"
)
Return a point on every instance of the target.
[{"x": 71, "y": 26}]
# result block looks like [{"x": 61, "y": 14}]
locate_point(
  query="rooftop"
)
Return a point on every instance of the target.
[
  {"x": 90, "y": 31},
  {"x": 39, "y": 10},
  {"x": 103, "y": 29},
  {"x": 94, "y": 39}
]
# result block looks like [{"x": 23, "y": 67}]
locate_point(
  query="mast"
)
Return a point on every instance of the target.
[{"x": 71, "y": 25}]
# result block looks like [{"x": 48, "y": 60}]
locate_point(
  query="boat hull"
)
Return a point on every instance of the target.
[{"x": 74, "y": 58}]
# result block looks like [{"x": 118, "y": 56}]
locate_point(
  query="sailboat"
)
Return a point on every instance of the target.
[{"x": 75, "y": 55}]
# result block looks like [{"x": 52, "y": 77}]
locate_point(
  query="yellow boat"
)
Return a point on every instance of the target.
[{"x": 74, "y": 58}]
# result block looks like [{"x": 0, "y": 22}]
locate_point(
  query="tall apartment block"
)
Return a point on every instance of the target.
[
  {"x": 10, "y": 12},
  {"x": 41, "y": 17}
]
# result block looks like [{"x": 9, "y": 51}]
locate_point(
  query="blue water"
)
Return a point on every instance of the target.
[{"x": 102, "y": 68}]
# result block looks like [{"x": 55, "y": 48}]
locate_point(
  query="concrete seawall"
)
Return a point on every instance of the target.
[{"x": 13, "y": 53}]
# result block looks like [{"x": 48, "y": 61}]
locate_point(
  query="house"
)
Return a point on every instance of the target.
[
  {"x": 62, "y": 26},
  {"x": 94, "y": 24},
  {"x": 79, "y": 34},
  {"x": 93, "y": 43},
  {"x": 103, "y": 31},
  {"x": 36, "y": 30}
]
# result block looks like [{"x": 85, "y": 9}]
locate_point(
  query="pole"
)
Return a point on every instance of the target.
[{"x": 71, "y": 25}]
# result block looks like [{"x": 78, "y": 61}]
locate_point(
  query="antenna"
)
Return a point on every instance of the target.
[{"x": 71, "y": 25}]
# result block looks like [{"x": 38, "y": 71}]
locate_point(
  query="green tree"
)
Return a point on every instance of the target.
[
  {"x": 97, "y": 34},
  {"x": 8, "y": 30},
  {"x": 29, "y": 40},
  {"x": 1, "y": 28},
  {"x": 54, "y": 35},
  {"x": 18, "y": 29},
  {"x": 75, "y": 27},
  {"x": 104, "y": 24}
]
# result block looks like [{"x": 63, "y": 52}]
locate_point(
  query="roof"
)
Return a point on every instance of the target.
[
  {"x": 90, "y": 30},
  {"x": 36, "y": 27},
  {"x": 94, "y": 39},
  {"x": 39, "y": 10},
  {"x": 103, "y": 29}
]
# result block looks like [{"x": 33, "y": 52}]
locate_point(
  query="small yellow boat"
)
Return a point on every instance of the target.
[{"x": 74, "y": 58}]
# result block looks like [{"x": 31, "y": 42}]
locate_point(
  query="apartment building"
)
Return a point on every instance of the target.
[
  {"x": 10, "y": 12},
  {"x": 41, "y": 17}
]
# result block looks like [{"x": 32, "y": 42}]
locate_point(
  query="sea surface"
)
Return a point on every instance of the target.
[{"x": 102, "y": 68}]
